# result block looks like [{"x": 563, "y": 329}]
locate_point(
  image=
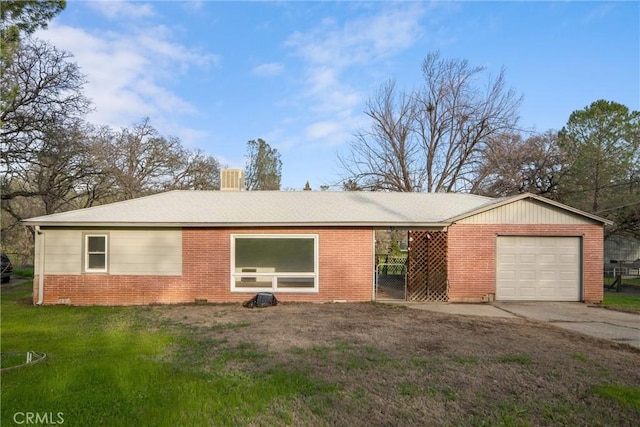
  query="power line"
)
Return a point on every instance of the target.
[{"x": 618, "y": 207}]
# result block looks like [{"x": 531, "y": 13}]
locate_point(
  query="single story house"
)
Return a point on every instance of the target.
[{"x": 224, "y": 246}]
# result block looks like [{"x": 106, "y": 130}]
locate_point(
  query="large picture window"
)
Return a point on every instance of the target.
[
  {"x": 95, "y": 253},
  {"x": 283, "y": 262}
]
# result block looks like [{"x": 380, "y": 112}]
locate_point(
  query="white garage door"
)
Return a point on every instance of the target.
[{"x": 538, "y": 268}]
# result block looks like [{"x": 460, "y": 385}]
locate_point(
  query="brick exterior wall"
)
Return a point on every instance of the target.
[
  {"x": 346, "y": 272},
  {"x": 472, "y": 257},
  {"x": 346, "y": 267}
]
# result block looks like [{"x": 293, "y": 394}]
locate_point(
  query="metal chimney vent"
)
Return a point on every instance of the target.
[{"x": 232, "y": 180}]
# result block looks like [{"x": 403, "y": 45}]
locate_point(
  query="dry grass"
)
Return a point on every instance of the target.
[{"x": 389, "y": 365}]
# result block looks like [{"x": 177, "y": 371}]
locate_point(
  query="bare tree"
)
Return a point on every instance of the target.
[
  {"x": 429, "y": 139},
  {"x": 198, "y": 171},
  {"x": 139, "y": 161},
  {"x": 41, "y": 139},
  {"x": 511, "y": 165},
  {"x": 47, "y": 96},
  {"x": 388, "y": 155}
]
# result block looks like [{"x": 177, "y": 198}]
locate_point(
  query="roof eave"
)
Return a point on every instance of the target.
[{"x": 372, "y": 224}]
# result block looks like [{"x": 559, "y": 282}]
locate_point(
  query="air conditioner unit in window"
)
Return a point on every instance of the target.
[{"x": 232, "y": 180}]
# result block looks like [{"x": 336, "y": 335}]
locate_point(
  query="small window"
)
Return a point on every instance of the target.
[
  {"x": 95, "y": 260},
  {"x": 285, "y": 263}
]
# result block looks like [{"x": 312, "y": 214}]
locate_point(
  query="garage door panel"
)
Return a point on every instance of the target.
[
  {"x": 524, "y": 259},
  {"x": 510, "y": 243},
  {"x": 547, "y": 259},
  {"x": 508, "y": 259},
  {"x": 547, "y": 291},
  {"x": 507, "y": 275},
  {"x": 546, "y": 243},
  {"x": 565, "y": 292},
  {"x": 568, "y": 276},
  {"x": 538, "y": 268},
  {"x": 549, "y": 276},
  {"x": 526, "y": 275},
  {"x": 570, "y": 259},
  {"x": 509, "y": 292},
  {"x": 525, "y": 292}
]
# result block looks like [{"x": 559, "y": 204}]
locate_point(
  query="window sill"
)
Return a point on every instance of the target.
[{"x": 279, "y": 291}]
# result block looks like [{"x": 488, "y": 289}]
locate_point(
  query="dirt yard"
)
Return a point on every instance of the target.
[{"x": 393, "y": 365}]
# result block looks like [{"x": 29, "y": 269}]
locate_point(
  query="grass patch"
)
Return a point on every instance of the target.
[
  {"x": 297, "y": 364},
  {"x": 580, "y": 357},
  {"x": 366, "y": 359},
  {"x": 13, "y": 359},
  {"x": 112, "y": 366},
  {"x": 622, "y": 302},
  {"x": 520, "y": 359},
  {"x": 416, "y": 390},
  {"x": 23, "y": 272},
  {"x": 223, "y": 326},
  {"x": 466, "y": 360},
  {"x": 623, "y": 395}
]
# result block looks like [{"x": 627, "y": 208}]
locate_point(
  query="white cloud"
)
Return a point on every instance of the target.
[
  {"x": 598, "y": 13},
  {"x": 194, "y": 6},
  {"x": 128, "y": 73},
  {"x": 333, "y": 49},
  {"x": 122, "y": 9},
  {"x": 322, "y": 129},
  {"x": 268, "y": 69},
  {"x": 362, "y": 41}
]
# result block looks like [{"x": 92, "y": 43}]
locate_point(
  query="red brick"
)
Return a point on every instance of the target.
[
  {"x": 472, "y": 257},
  {"x": 345, "y": 272}
]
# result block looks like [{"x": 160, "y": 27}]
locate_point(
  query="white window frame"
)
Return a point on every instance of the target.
[
  {"x": 273, "y": 275},
  {"x": 87, "y": 253}
]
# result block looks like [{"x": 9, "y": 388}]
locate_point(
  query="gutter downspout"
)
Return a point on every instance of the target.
[{"x": 40, "y": 239}]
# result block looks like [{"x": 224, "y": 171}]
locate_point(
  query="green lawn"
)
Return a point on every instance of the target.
[
  {"x": 296, "y": 364},
  {"x": 108, "y": 366},
  {"x": 23, "y": 272},
  {"x": 622, "y": 301}
]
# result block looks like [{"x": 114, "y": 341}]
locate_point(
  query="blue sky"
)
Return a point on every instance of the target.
[{"x": 298, "y": 74}]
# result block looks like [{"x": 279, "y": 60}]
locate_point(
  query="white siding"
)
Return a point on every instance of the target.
[
  {"x": 63, "y": 252},
  {"x": 130, "y": 252},
  {"x": 526, "y": 212},
  {"x": 145, "y": 252}
]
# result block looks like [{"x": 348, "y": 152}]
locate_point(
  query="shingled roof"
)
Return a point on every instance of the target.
[{"x": 274, "y": 208}]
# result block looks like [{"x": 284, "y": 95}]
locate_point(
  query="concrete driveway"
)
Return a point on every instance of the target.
[
  {"x": 594, "y": 321},
  {"x": 589, "y": 320}
]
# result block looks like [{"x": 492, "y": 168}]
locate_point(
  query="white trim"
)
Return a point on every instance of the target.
[
  {"x": 233, "y": 276},
  {"x": 40, "y": 240},
  {"x": 86, "y": 254}
]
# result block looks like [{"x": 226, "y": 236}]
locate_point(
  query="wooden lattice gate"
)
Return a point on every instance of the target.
[{"x": 427, "y": 266}]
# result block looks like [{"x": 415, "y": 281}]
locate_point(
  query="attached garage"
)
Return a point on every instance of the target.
[
  {"x": 538, "y": 268},
  {"x": 525, "y": 248}
]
